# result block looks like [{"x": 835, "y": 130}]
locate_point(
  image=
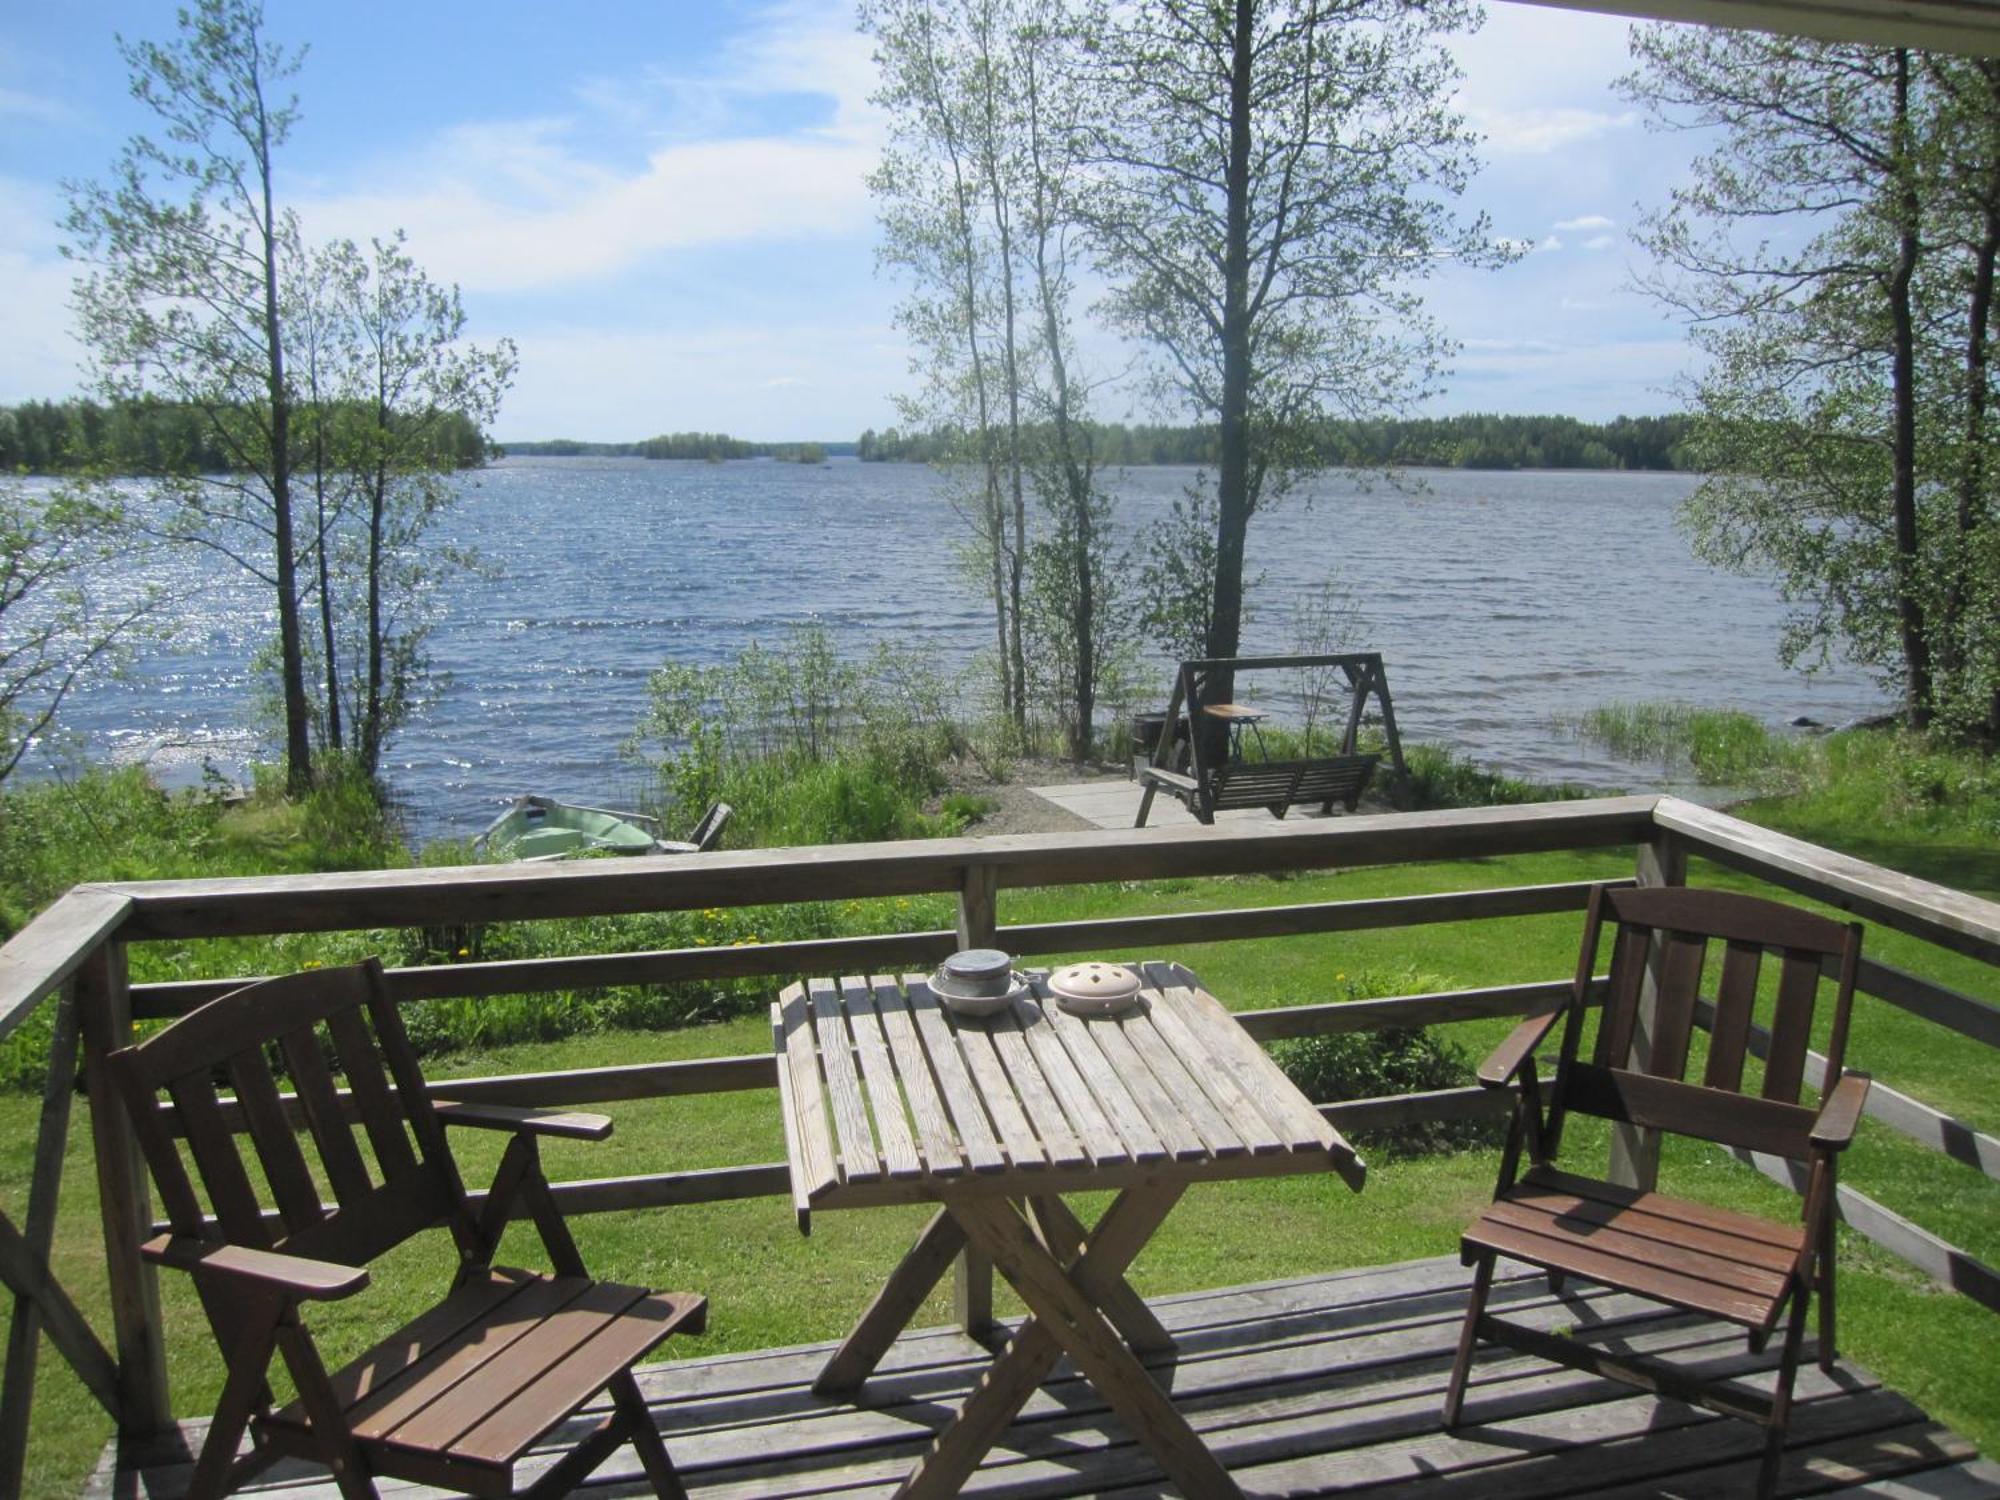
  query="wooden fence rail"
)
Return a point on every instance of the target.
[{"x": 76, "y": 950}]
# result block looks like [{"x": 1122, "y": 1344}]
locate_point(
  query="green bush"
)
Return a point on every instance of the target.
[{"x": 1401, "y": 1060}]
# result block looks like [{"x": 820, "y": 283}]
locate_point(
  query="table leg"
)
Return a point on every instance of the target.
[
  {"x": 1006, "y": 1386},
  {"x": 1064, "y": 1235},
  {"x": 1071, "y": 1314},
  {"x": 890, "y": 1313},
  {"x": 972, "y": 1295}
]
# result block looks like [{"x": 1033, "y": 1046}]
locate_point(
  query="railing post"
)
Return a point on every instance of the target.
[
  {"x": 978, "y": 907},
  {"x": 1635, "y": 1152},
  {"x": 104, "y": 1004},
  {"x": 972, "y": 1272}
]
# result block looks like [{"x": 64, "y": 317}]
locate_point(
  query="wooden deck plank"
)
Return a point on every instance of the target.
[{"x": 1300, "y": 1386}]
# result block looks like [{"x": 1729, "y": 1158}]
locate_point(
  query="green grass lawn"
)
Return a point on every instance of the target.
[{"x": 769, "y": 1286}]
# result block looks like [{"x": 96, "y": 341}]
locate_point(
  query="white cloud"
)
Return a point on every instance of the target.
[
  {"x": 39, "y": 354},
  {"x": 39, "y": 109},
  {"x": 1588, "y": 221},
  {"x": 589, "y": 383},
  {"x": 1550, "y": 243},
  {"x": 520, "y": 205},
  {"x": 1540, "y": 130},
  {"x": 496, "y": 208},
  {"x": 1600, "y": 242}
]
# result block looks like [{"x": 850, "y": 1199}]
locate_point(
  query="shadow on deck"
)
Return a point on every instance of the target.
[{"x": 1320, "y": 1386}]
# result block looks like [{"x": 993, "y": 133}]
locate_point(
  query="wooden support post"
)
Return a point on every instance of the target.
[
  {"x": 978, "y": 907},
  {"x": 1635, "y": 1152},
  {"x": 24, "y": 1333},
  {"x": 104, "y": 1006},
  {"x": 972, "y": 1272}
]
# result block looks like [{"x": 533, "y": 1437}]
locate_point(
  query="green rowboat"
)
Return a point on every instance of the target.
[{"x": 537, "y": 829}]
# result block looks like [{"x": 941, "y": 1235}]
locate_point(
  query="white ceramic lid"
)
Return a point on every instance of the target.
[{"x": 1094, "y": 988}]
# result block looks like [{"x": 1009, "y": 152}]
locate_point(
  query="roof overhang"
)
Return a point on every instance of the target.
[{"x": 1969, "y": 27}]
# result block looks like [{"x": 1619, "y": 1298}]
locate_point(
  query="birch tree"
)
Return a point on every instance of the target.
[
  {"x": 1275, "y": 184},
  {"x": 181, "y": 296}
]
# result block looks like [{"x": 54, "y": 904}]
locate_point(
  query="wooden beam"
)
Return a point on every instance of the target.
[
  {"x": 1159, "y": 933},
  {"x": 37, "y": 960},
  {"x": 1923, "y": 997},
  {"x": 1970, "y": 28},
  {"x": 1911, "y": 1117},
  {"x": 1635, "y": 1149},
  {"x": 1952, "y": 919},
  {"x": 1936, "y": 1257},
  {"x": 104, "y": 1011},
  {"x": 1403, "y": 1010},
  {"x": 492, "y": 893},
  {"x": 852, "y": 955}
]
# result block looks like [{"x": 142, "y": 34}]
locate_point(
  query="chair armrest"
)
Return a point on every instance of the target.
[
  {"x": 562, "y": 1123},
  {"x": 313, "y": 1280},
  {"x": 1841, "y": 1112},
  {"x": 1506, "y": 1059},
  {"x": 1168, "y": 778}
]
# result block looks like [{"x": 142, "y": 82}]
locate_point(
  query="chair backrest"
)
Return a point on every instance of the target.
[
  {"x": 1660, "y": 942},
  {"x": 381, "y": 1151},
  {"x": 708, "y": 832}
]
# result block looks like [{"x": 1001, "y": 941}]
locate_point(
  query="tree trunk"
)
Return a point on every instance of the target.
[
  {"x": 333, "y": 729},
  {"x": 291, "y": 652},
  {"x": 1233, "y": 479},
  {"x": 1917, "y": 685}
]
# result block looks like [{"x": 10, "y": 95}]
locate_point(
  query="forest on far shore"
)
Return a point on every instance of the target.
[
  {"x": 1478, "y": 440},
  {"x": 51, "y": 437}
]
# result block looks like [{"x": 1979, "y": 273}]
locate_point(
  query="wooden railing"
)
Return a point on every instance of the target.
[{"x": 74, "y": 956}]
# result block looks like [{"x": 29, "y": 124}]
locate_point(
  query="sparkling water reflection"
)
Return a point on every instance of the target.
[{"x": 1499, "y": 601}]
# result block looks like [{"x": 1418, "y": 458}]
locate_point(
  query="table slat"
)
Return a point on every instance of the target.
[
  {"x": 892, "y": 1128},
  {"x": 1304, "y": 1126},
  {"x": 858, "y": 1160},
  {"x": 1237, "y": 1104},
  {"x": 968, "y": 1113},
  {"x": 1217, "y": 1132},
  {"x": 1010, "y": 1121},
  {"x": 944, "y": 1155},
  {"x": 808, "y": 1098},
  {"x": 1098, "y": 1136},
  {"x": 1036, "y": 1093},
  {"x": 1119, "y": 1107}
]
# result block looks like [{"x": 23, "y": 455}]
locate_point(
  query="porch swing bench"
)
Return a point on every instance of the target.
[{"x": 1190, "y": 759}]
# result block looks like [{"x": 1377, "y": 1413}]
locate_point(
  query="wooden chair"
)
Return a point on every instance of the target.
[
  {"x": 453, "y": 1398},
  {"x": 1729, "y": 1265}
]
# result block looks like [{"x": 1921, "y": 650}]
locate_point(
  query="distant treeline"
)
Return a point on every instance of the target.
[
  {"x": 1478, "y": 441},
  {"x": 714, "y": 447},
  {"x": 156, "y": 437}
]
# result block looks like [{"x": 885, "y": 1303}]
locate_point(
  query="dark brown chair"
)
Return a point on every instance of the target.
[
  {"x": 453, "y": 1398},
  {"x": 1729, "y": 1265}
]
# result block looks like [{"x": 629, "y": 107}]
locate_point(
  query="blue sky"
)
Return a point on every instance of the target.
[{"x": 663, "y": 203}]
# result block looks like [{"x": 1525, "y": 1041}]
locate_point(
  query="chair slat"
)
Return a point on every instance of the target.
[
  {"x": 276, "y": 1143},
  {"x": 216, "y": 1159},
  {"x": 1673, "y": 1017},
  {"x": 370, "y": 1085},
  {"x": 345, "y": 1169},
  {"x": 1791, "y": 1026},
  {"x": 1621, "y": 1004},
  {"x": 1735, "y": 1008}
]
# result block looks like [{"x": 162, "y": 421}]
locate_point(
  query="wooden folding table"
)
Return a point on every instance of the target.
[{"x": 889, "y": 1097}]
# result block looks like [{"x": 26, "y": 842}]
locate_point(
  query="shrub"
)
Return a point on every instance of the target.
[{"x": 1373, "y": 1064}]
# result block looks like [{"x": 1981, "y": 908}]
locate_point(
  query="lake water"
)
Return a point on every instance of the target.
[{"x": 1498, "y": 601}]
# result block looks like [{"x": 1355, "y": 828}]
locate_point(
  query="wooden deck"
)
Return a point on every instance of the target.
[{"x": 1321, "y": 1386}]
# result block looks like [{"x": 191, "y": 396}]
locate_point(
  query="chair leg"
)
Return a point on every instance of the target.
[
  {"x": 646, "y": 1440},
  {"x": 1827, "y": 1347},
  {"x": 1145, "y": 804},
  {"x": 1454, "y": 1391},
  {"x": 1781, "y": 1399}
]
